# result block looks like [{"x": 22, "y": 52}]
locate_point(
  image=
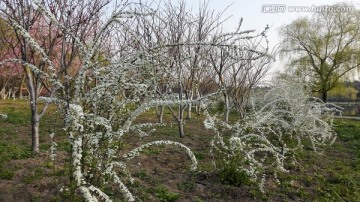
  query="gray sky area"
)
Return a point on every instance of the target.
[{"x": 257, "y": 14}]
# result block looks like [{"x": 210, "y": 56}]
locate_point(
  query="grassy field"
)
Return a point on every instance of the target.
[{"x": 162, "y": 173}]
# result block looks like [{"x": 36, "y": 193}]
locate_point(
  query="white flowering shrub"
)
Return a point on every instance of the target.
[
  {"x": 100, "y": 116},
  {"x": 105, "y": 98},
  {"x": 280, "y": 122}
]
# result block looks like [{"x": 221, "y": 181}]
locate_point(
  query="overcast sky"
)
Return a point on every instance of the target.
[{"x": 256, "y": 14}]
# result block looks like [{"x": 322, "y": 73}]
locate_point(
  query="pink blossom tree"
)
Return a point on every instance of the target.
[{"x": 21, "y": 16}]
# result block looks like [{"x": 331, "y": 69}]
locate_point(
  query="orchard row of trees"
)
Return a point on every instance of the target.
[
  {"x": 197, "y": 56},
  {"x": 325, "y": 46}
]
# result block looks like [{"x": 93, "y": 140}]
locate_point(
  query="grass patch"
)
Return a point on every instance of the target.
[
  {"x": 37, "y": 174},
  {"x": 331, "y": 176},
  {"x": 154, "y": 150},
  {"x": 6, "y": 174},
  {"x": 164, "y": 194},
  {"x": 141, "y": 175},
  {"x": 349, "y": 132},
  {"x": 187, "y": 185},
  {"x": 12, "y": 152}
]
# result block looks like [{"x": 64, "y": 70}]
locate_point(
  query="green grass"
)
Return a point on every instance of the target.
[
  {"x": 164, "y": 194},
  {"x": 152, "y": 150},
  {"x": 15, "y": 132},
  {"x": 12, "y": 152},
  {"x": 349, "y": 132},
  {"x": 331, "y": 176},
  {"x": 6, "y": 174},
  {"x": 16, "y": 112},
  {"x": 37, "y": 174}
]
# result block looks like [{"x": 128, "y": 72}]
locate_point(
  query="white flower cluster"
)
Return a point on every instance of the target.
[
  {"x": 75, "y": 118},
  {"x": 77, "y": 158},
  {"x": 278, "y": 124},
  {"x": 3, "y": 116},
  {"x": 52, "y": 147}
]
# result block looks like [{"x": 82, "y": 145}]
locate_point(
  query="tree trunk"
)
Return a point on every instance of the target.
[
  {"x": 21, "y": 87},
  {"x": 190, "y": 97},
  {"x": 3, "y": 93},
  {"x": 3, "y": 90},
  {"x": 9, "y": 93},
  {"x": 33, "y": 107},
  {"x": 198, "y": 108},
  {"x": 189, "y": 111},
  {"x": 227, "y": 108},
  {"x": 160, "y": 113},
  {"x": 35, "y": 132},
  {"x": 324, "y": 96},
  {"x": 226, "y": 114},
  {"x": 198, "y": 105},
  {"x": 180, "y": 120},
  {"x": 181, "y": 128}
]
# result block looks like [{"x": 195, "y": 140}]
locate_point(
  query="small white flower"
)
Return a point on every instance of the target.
[{"x": 4, "y": 116}]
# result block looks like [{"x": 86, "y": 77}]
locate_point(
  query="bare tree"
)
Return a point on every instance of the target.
[
  {"x": 246, "y": 73},
  {"x": 205, "y": 23},
  {"x": 190, "y": 35},
  {"x": 177, "y": 30},
  {"x": 239, "y": 63}
]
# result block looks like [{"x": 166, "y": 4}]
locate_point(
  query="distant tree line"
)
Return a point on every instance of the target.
[{"x": 346, "y": 91}]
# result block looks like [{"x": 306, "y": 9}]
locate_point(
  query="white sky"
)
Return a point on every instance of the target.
[{"x": 254, "y": 18}]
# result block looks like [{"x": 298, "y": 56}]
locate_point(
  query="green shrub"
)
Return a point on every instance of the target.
[{"x": 230, "y": 172}]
